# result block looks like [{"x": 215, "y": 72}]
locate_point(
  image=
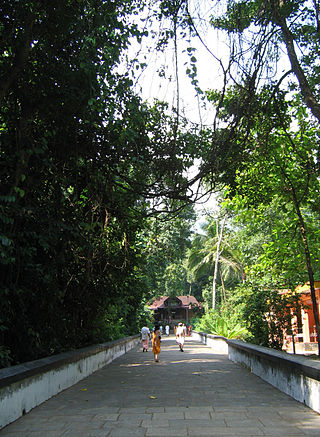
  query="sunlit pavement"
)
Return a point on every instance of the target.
[{"x": 191, "y": 393}]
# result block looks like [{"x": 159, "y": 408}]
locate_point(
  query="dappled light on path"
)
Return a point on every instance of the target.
[{"x": 193, "y": 393}]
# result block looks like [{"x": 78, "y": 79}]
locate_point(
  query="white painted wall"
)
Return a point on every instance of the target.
[
  {"x": 21, "y": 396},
  {"x": 289, "y": 373},
  {"x": 218, "y": 344},
  {"x": 291, "y": 381}
]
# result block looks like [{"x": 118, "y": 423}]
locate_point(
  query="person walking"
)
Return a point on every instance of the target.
[
  {"x": 189, "y": 330},
  {"x": 180, "y": 336},
  {"x": 156, "y": 342},
  {"x": 167, "y": 330},
  {"x": 145, "y": 336}
]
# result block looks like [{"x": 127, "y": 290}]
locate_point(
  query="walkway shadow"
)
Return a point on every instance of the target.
[{"x": 193, "y": 393}]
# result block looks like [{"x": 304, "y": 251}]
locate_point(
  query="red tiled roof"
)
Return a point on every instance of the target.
[
  {"x": 188, "y": 300},
  {"x": 158, "y": 302}
]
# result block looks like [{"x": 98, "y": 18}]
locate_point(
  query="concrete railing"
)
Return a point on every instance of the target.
[
  {"x": 216, "y": 342},
  {"x": 297, "y": 376},
  {"x": 27, "y": 385}
]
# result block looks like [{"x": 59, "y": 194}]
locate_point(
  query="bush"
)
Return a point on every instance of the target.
[
  {"x": 266, "y": 312},
  {"x": 216, "y": 323},
  {"x": 5, "y": 357}
]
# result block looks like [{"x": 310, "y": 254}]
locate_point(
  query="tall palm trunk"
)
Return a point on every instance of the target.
[
  {"x": 216, "y": 264},
  {"x": 223, "y": 287}
]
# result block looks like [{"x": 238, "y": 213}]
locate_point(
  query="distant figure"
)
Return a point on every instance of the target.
[
  {"x": 156, "y": 342},
  {"x": 161, "y": 330},
  {"x": 145, "y": 335},
  {"x": 180, "y": 336},
  {"x": 167, "y": 329},
  {"x": 189, "y": 330}
]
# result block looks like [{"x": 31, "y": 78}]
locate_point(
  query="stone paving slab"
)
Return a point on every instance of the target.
[{"x": 196, "y": 393}]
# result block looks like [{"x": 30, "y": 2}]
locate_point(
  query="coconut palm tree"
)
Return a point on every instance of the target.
[{"x": 212, "y": 251}]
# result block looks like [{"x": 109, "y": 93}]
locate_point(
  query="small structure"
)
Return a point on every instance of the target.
[
  {"x": 303, "y": 324},
  {"x": 171, "y": 310}
]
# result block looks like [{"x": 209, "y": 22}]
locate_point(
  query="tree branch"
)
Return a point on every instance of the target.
[{"x": 305, "y": 88}]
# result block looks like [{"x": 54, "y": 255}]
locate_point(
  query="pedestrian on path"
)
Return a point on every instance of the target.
[
  {"x": 189, "y": 330},
  {"x": 145, "y": 336},
  {"x": 180, "y": 336},
  {"x": 167, "y": 330},
  {"x": 156, "y": 342}
]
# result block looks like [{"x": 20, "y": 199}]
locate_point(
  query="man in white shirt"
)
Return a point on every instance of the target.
[
  {"x": 180, "y": 336},
  {"x": 167, "y": 329},
  {"x": 145, "y": 335}
]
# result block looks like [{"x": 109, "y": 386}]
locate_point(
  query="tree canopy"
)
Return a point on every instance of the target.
[
  {"x": 90, "y": 173},
  {"x": 83, "y": 163}
]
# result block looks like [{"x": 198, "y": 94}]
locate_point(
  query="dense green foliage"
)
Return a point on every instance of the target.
[
  {"x": 163, "y": 247},
  {"x": 60, "y": 193},
  {"x": 90, "y": 173},
  {"x": 202, "y": 259},
  {"x": 270, "y": 115},
  {"x": 215, "y": 322},
  {"x": 82, "y": 159}
]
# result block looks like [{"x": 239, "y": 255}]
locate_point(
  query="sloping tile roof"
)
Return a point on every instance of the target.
[
  {"x": 158, "y": 302},
  {"x": 186, "y": 301}
]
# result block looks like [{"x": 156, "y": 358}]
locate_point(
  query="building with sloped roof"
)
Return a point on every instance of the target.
[
  {"x": 172, "y": 310},
  {"x": 304, "y": 336}
]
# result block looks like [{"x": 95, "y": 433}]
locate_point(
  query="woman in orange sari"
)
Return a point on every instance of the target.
[{"x": 156, "y": 341}]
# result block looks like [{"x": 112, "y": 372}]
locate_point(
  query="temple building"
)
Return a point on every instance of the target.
[
  {"x": 171, "y": 310},
  {"x": 303, "y": 324}
]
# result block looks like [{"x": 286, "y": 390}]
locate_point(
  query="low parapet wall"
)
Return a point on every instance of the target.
[
  {"x": 217, "y": 343},
  {"x": 25, "y": 386},
  {"x": 297, "y": 376}
]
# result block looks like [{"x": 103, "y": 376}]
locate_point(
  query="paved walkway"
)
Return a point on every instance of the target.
[{"x": 195, "y": 393}]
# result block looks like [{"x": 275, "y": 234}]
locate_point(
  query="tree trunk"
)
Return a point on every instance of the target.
[
  {"x": 216, "y": 264},
  {"x": 223, "y": 287},
  {"x": 288, "y": 39},
  {"x": 309, "y": 267}
]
